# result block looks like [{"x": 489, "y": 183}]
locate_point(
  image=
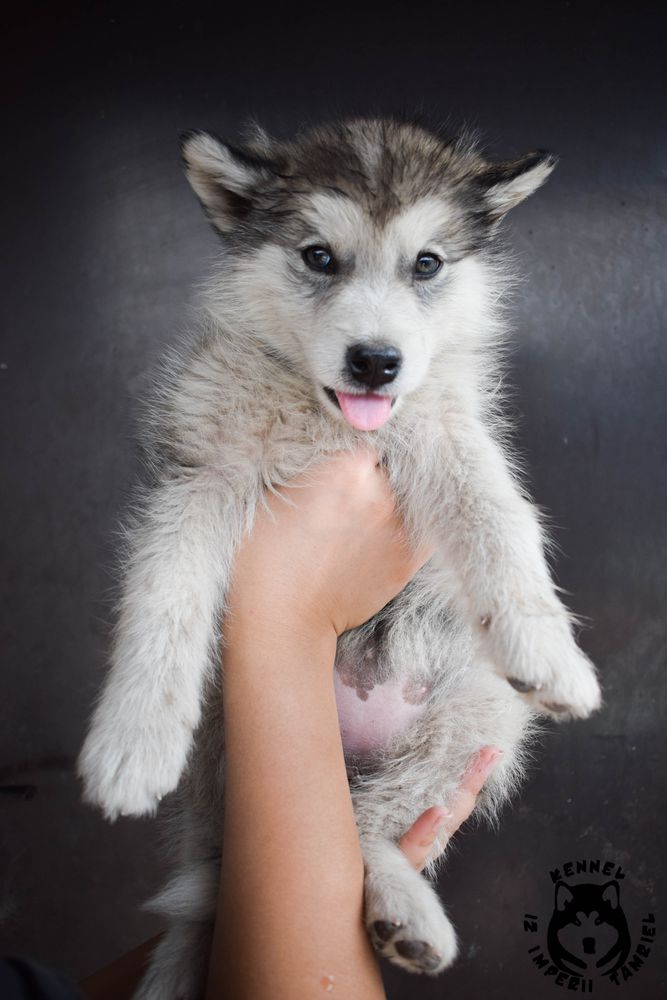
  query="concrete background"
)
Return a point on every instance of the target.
[{"x": 103, "y": 245}]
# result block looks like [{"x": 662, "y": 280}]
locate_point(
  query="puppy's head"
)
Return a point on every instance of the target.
[{"x": 359, "y": 250}]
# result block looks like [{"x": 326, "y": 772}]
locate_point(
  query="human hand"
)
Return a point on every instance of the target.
[
  {"x": 440, "y": 823},
  {"x": 330, "y": 558}
]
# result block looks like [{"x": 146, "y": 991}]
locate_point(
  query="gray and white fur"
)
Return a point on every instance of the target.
[{"x": 252, "y": 402}]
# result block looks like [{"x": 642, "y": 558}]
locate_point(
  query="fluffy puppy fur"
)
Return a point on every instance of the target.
[{"x": 381, "y": 236}]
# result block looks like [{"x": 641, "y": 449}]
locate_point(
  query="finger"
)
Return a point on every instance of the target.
[
  {"x": 368, "y": 455},
  {"x": 439, "y": 823},
  {"x": 478, "y": 771},
  {"x": 417, "y": 843},
  {"x": 416, "y": 557},
  {"x": 422, "y": 555}
]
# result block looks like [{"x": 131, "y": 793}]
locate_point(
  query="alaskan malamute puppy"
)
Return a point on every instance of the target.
[{"x": 358, "y": 299}]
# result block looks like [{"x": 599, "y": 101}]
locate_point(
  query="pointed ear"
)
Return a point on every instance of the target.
[
  {"x": 507, "y": 184},
  {"x": 611, "y": 893},
  {"x": 224, "y": 178},
  {"x": 564, "y": 895},
  {"x": 257, "y": 139}
]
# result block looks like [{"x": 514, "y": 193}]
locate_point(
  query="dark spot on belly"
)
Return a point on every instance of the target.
[{"x": 361, "y": 685}]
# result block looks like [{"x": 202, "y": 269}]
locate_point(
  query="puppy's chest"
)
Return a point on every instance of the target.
[{"x": 277, "y": 438}]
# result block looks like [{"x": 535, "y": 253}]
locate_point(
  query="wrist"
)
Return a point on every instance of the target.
[{"x": 263, "y": 632}]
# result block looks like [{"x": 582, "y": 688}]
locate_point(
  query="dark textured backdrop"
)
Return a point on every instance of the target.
[{"x": 103, "y": 244}]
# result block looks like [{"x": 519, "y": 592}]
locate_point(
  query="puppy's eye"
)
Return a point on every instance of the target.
[
  {"x": 427, "y": 264},
  {"x": 319, "y": 259}
]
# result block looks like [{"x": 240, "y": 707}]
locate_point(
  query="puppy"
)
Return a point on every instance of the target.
[{"x": 358, "y": 299}]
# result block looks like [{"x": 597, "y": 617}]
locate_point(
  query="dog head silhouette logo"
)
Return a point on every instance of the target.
[{"x": 588, "y": 931}]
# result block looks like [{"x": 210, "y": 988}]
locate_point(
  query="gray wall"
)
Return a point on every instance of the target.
[{"x": 104, "y": 243}]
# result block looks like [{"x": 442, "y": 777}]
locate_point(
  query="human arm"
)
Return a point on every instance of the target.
[
  {"x": 291, "y": 893},
  {"x": 291, "y": 896}
]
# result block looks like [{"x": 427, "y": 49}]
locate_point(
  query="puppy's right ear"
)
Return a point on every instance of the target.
[{"x": 223, "y": 178}]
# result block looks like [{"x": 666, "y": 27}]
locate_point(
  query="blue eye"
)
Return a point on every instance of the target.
[
  {"x": 427, "y": 264},
  {"x": 319, "y": 259}
]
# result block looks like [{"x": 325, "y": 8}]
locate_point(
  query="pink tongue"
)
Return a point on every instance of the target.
[{"x": 367, "y": 412}]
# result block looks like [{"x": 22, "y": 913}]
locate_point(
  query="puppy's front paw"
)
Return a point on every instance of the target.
[
  {"x": 573, "y": 694},
  {"x": 127, "y": 770},
  {"x": 540, "y": 659}
]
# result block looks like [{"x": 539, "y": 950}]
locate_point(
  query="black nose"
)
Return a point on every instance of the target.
[{"x": 373, "y": 364}]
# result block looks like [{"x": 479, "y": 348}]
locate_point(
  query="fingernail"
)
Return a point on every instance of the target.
[
  {"x": 496, "y": 755},
  {"x": 488, "y": 764},
  {"x": 480, "y": 767},
  {"x": 441, "y": 820}
]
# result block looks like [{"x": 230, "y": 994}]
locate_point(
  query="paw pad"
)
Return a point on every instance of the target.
[
  {"x": 411, "y": 949},
  {"x": 521, "y": 686},
  {"x": 421, "y": 953},
  {"x": 385, "y": 929},
  {"x": 555, "y": 706}
]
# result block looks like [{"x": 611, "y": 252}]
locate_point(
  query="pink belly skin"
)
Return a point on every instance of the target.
[{"x": 370, "y": 717}]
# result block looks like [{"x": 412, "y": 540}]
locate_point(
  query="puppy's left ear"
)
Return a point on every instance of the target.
[
  {"x": 507, "y": 184},
  {"x": 224, "y": 178}
]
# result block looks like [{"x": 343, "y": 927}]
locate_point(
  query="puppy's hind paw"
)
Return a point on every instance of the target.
[
  {"x": 404, "y": 944},
  {"x": 390, "y": 939}
]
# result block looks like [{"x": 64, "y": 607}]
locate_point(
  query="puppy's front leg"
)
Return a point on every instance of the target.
[
  {"x": 142, "y": 728},
  {"x": 492, "y": 535}
]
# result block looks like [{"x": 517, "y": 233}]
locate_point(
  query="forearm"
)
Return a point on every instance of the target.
[{"x": 291, "y": 892}]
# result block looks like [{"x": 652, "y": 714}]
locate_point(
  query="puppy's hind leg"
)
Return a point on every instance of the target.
[
  {"x": 179, "y": 964},
  {"x": 404, "y": 916}
]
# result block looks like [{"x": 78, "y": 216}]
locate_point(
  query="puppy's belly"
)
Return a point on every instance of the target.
[{"x": 371, "y": 715}]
